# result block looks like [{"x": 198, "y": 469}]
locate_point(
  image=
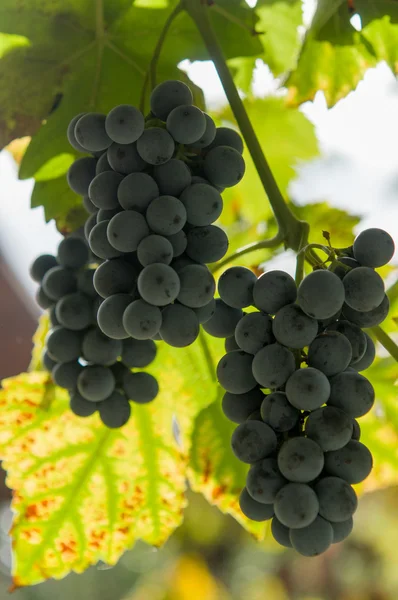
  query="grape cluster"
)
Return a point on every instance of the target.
[
  {"x": 153, "y": 188},
  {"x": 293, "y": 385},
  {"x": 94, "y": 368}
]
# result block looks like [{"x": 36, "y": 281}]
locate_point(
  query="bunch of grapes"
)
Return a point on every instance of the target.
[
  {"x": 153, "y": 188},
  {"x": 94, "y": 368},
  {"x": 293, "y": 384}
]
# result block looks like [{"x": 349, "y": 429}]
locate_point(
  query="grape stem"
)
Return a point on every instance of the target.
[
  {"x": 385, "y": 341},
  {"x": 271, "y": 243},
  {"x": 301, "y": 255}
]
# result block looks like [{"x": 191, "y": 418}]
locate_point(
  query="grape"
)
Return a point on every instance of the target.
[
  {"x": 234, "y": 372},
  {"x": 337, "y": 499},
  {"x": 89, "y": 225},
  {"x": 293, "y": 328},
  {"x": 364, "y": 289},
  {"x": 90, "y": 132},
  {"x": 119, "y": 371},
  {"x": 252, "y": 441},
  {"x": 99, "y": 244},
  {"x": 224, "y": 320},
  {"x": 197, "y": 286},
  {"x": 168, "y": 95},
  {"x": 126, "y": 230},
  {"x": 205, "y": 313},
  {"x": 155, "y": 146},
  {"x": 296, "y": 505},
  {"x": 42, "y": 299},
  {"x": 158, "y": 284},
  {"x": 208, "y": 136},
  {"x": 352, "y": 393},
  {"x": 330, "y": 352},
  {"x": 369, "y": 356},
  {"x": 324, "y": 323},
  {"x": 41, "y": 265},
  {"x": 203, "y": 204},
  {"x": 313, "y": 539},
  {"x": 355, "y": 336},
  {"x": 225, "y": 136},
  {"x": 65, "y": 374},
  {"x": 124, "y": 124},
  {"x": 115, "y": 411},
  {"x": 74, "y": 311},
  {"x": 308, "y": 389},
  {"x": 53, "y": 317},
  {"x": 89, "y": 206},
  {"x": 329, "y": 427},
  {"x": 80, "y": 174},
  {"x": 255, "y": 416},
  {"x": 207, "y": 244},
  {"x": 278, "y": 413},
  {"x": 154, "y": 249},
  {"x": 100, "y": 349},
  {"x": 166, "y": 215},
  {"x": 254, "y": 510},
  {"x": 186, "y": 123},
  {"x": 273, "y": 365},
  {"x": 180, "y": 326},
  {"x": 370, "y": 318},
  {"x": 300, "y": 459},
  {"x": 353, "y": 462},
  {"x": 178, "y": 241},
  {"x": 103, "y": 190},
  {"x": 110, "y": 316},
  {"x": 115, "y": 276},
  {"x": 172, "y": 177},
  {"x": 82, "y": 407},
  {"x": 63, "y": 345},
  {"x": 70, "y": 133},
  {"x": 124, "y": 158},
  {"x": 264, "y": 480},
  {"x": 137, "y": 191},
  {"x": 58, "y": 282},
  {"x": 182, "y": 261},
  {"x": 230, "y": 343},
  {"x": 253, "y": 332},
  {"x": 138, "y": 353},
  {"x": 373, "y": 247},
  {"x": 235, "y": 287},
  {"x": 48, "y": 362},
  {"x": 342, "y": 530},
  {"x": 281, "y": 533},
  {"x": 274, "y": 290},
  {"x": 95, "y": 383},
  {"x": 321, "y": 294},
  {"x": 140, "y": 387},
  {"x": 142, "y": 320},
  {"x": 339, "y": 266},
  {"x": 224, "y": 166},
  {"x": 103, "y": 164},
  {"x": 356, "y": 430},
  {"x": 238, "y": 407}
]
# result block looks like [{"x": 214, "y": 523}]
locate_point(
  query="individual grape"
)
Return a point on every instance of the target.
[
  {"x": 58, "y": 282},
  {"x": 339, "y": 267},
  {"x": 100, "y": 349},
  {"x": 124, "y": 124},
  {"x": 80, "y": 174},
  {"x": 254, "y": 510},
  {"x": 110, "y": 316},
  {"x": 253, "y": 332},
  {"x": 321, "y": 294},
  {"x": 230, "y": 343},
  {"x": 342, "y": 530},
  {"x": 115, "y": 276},
  {"x": 370, "y": 318},
  {"x": 234, "y": 372},
  {"x": 353, "y": 462},
  {"x": 180, "y": 326},
  {"x": 314, "y": 539},
  {"x": 119, "y": 371},
  {"x": 85, "y": 283},
  {"x": 273, "y": 365},
  {"x": 235, "y": 287},
  {"x": 99, "y": 243},
  {"x": 178, "y": 241},
  {"x": 41, "y": 265},
  {"x": 89, "y": 206},
  {"x": 224, "y": 166},
  {"x": 154, "y": 249},
  {"x": 352, "y": 393},
  {"x": 281, "y": 533},
  {"x": 373, "y": 247},
  {"x": 95, "y": 383},
  {"x": 89, "y": 225},
  {"x": 42, "y": 299},
  {"x": 293, "y": 328},
  {"x": 205, "y": 313},
  {"x": 364, "y": 289},
  {"x": 124, "y": 158},
  {"x": 238, "y": 407},
  {"x": 168, "y": 95},
  {"x": 172, "y": 177},
  {"x": 278, "y": 413},
  {"x": 330, "y": 352},
  {"x": 158, "y": 284},
  {"x": 197, "y": 286},
  {"x": 90, "y": 132},
  {"x": 65, "y": 374},
  {"x": 308, "y": 389},
  {"x": 48, "y": 362},
  {"x": 255, "y": 416},
  {"x": 274, "y": 290},
  {"x": 355, "y": 336},
  {"x": 186, "y": 123},
  {"x": 166, "y": 215},
  {"x": 136, "y": 192},
  {"x": 155, "y": 146},
  {"x": 209, "y": 134},
  {"x": 103, "y": 164},
  {"x": 63, "y": 345},
  {"x": 225, "y": 136},
  {"x": 70, "y": 133},
  {"x": 126, "y": 230},
  {"x": 264, "y": 480},
  {"x": 224, "y": 320},
  {"x": 252, "y": 441},
  {"x": 296, "y": 505},
  {"x": 369, "y": 356},
  {"x": 203, "y": 204},
  {"x": 337, "y": 499},
  {"x": 356, "y": 430},
  {"x": 324, "y": 323},
  {"x": 182, "y": 261},
  {"x": 115, "y": 411},
  {"x": 137, "y": 354},
  {"x": 207, "y": 244},
  {"x": 140, "y": 387},
  {"x": 74, "y": 311},
  {"x": 300, "y": 459},
  {"x": 103, "y": 190},
  {"x": 142, "y": 320},
  {"x": 82, "y": 407},
  {"x": 329, "y": 427},
  {"x": 52, "y": 316}
]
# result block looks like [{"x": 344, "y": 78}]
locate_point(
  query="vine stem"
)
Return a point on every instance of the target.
[
  {"x": 386, "y": 341},
  {"x": 300, "y": 260},
  {"x": 271, "y": 243}
]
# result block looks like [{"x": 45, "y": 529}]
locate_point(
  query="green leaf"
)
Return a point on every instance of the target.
[{"x": 323, "y": 217}]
